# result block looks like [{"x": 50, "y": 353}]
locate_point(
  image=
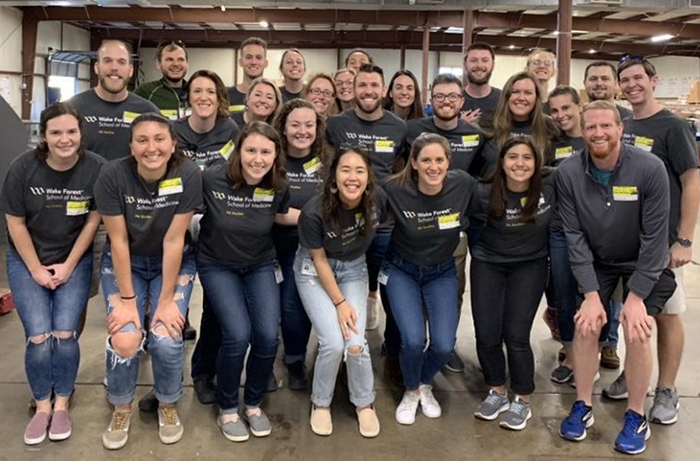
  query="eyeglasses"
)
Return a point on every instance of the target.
[
  {"x": 538, "y": 62},
  {"x": 632, "y": 57},
  {"x": 452, "y": 97},
  {"x": 319, "y": 91}
]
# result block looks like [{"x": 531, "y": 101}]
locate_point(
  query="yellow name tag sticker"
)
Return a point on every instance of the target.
[
  {"x": 263, "y": 195},
  {"x": 227, "y": 149},
  {"x": 471, "y": 140},
  {"x": 625, "y": 193},
  {"x": 170, "y": 186},
  {"x": 77, "y": 208},
  {"x": 236, "y": 108},
  {"x": 643, "y": 143},
  {"x": 312, "y": 166},
  {"x": 129, "y": 117},
  {"x": 384, "y": 145},
  {"x": 449, "y": 221},
  {"x": 172, "y": 114},
  {"x": 563, "y": 152}
]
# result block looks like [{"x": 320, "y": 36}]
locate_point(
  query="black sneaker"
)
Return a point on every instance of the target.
[
  {"x": 455, "y": 364},
  {"x": 297, "y": 376},
  {"x": 206, "y": 390},
  {"x": 149, "y": 402},
  {"x": 189, "y": 333}
]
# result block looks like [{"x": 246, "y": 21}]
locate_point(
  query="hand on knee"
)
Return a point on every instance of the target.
[{"x": 126, "y": 344}]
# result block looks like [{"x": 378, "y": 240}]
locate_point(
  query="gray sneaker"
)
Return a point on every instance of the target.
[
  {"x": 616, "y": 390},
  {"x": 234, "y": 430},
  {"x": 517, "y": 415},
  {"x": 259, "y": 424},
  {"x": 493, "y": 405},
  {"x": 562, "y": 374},
  {"x": 170, "y": 428},
  {"x": 665, "y": 407},
  {"x": 117, "y": 432}
]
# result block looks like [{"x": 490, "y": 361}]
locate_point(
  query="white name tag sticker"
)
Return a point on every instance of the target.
[
  {"x": 383, "y": 277},
  {"x": 625, "y": 193},
  {"x": 263, "y": 195},
  {"x": 170, "y": 186},
  {"x": 449, "y": 221},
  {"x": 312, "y": 166},
  {"x": 308, "y": 268},
  {"x": 77, "y": 208}
]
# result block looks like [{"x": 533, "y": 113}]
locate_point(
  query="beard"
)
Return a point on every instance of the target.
[
  {"x": 447, "y": 114},
  {"x": 109, "y": 86},
  {"x": 479, "y": 81}
]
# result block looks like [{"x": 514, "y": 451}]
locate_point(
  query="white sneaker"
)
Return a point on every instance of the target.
[
  {"x": 428, "y": 403},
  {"x": 406, "y": 411},
  {"x": 372, "y": 313}
]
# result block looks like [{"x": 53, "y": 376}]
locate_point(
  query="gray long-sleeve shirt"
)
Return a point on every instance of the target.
[{"x": 622, "y": 225}]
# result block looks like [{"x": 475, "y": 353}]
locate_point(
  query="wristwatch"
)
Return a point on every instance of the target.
[{"x": 685, "y": 243}]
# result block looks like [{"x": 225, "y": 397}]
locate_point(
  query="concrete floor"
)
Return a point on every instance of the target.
[{"x": 456, "y": 435}]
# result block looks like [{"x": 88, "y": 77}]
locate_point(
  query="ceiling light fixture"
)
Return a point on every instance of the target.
[
  {"x": 661, "y": 38},
  {"x": 264, "y": 24},
  {"x": 223, "y": 8},
  {"x": 591, "y": 51},
  {"x": 512, "y": 47}
]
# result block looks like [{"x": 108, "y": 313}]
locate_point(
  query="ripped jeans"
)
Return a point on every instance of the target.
[
  {"x": 166, "y": 352},
  {"x": 352, "y": 279},
  {"x": 51, "y": 360}
]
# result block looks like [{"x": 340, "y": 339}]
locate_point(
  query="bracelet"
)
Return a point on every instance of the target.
[
  {"x": 339, "y": 302},
  {"x": 127, "y": 298}
]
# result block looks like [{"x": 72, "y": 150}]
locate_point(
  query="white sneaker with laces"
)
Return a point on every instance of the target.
[
  {"x": 406, "y": 411},
  {"x": 428, "y": 403}
]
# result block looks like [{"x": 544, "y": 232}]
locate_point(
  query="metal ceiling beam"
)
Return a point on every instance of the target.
[
  {"x": 383, "y": 39},
  {"x": 510, "y": 20}
]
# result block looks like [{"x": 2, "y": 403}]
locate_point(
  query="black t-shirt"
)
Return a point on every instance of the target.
[
  {"x": 236, "y": 229},
  {"x": 347, "y": 244},
  {"x": 466, "y": 141},
  {"x": 305, "y": 179},
  {"x": 624, "y": 112},
  {"x": 54, "y": 204},
  {"x": 207, "y": 148},
  {"x": 511, "y": 239},
  {"x": 238, "y": 119},
  {"x": 563, "y": 147},
  {"x": 106, "y": 125},
  {"x": 385, "y": 138},
  {"x": 287, "y": 96},
  {"x": 236, "y": 100},
  {"x": 148, "y": 209},
  {"x": 673, "y": 141},
  {"x": 426, "y": 228},
  {"x": 486, "y": 104}
]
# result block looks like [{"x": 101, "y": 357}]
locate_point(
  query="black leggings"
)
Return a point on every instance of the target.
[{"x": 505, "y": 297}]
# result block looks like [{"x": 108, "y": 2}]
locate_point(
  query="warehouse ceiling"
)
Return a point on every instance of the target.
[{"x": 601, "y": 29}]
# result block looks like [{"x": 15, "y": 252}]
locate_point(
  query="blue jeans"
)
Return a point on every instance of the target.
[
  {"x": 51, "y": 365},
  {"x": 410, "y": 289},
  {"x": 351, "y": 277},
  {"x": 296, "y": 326},
  {"x": 564, "y": 286},
  {"x": 166, "y": 352},
  {"x": 375, "y": 259},
  {"x": 614, "y": 334},
  {"x": 247, "y": 306}
]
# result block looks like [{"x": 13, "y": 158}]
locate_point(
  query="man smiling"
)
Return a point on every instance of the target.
[{"x": 169, "y": 93}]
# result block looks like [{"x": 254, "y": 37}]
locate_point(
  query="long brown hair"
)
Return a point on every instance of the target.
[
  {"x": 318, "y": 147},
  {"x": 274, "y": 178},
  {"x": 51, "y": 112},
  {"x": 408, "y": 173},
  {"x": 221, "y": 93},
  {"x": 416, "y": 110},
  {"x": 499, "y": 198},
  {"x": 332, "y": 206},
  {"x": 503, "y": 118}
]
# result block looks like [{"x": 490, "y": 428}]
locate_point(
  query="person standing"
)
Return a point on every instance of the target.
[
  {"x": 614, "y": 205},
  {"x": 655, "y": 129},
  {"x": 292, "y": 67},
  {"x": 600, "y": 83},
  {"x": 403, "y": 96},
  {"x": 49, "y": 260},
  {"x": 480, "y": 98},
  {"x": 170, "y": 92},
  {"x": 253, "y": 61}
]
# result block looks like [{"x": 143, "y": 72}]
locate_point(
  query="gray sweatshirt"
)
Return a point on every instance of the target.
[{"x": 622, "y": 225}]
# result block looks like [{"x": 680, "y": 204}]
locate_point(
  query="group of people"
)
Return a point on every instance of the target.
[{"x": 309, "y": 205}]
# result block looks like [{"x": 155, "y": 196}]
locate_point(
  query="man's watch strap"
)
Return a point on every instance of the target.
[{"x": 686, "y": 243}]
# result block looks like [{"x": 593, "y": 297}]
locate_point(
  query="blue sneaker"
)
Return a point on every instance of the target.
[
  {"x": 574, "y": 426},
  {"x": 633, "y": 437}
]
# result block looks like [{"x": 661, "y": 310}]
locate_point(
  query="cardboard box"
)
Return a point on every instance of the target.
[
  {"x": 7, "y": 304},
  {"x": 694, "y": 96}
]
